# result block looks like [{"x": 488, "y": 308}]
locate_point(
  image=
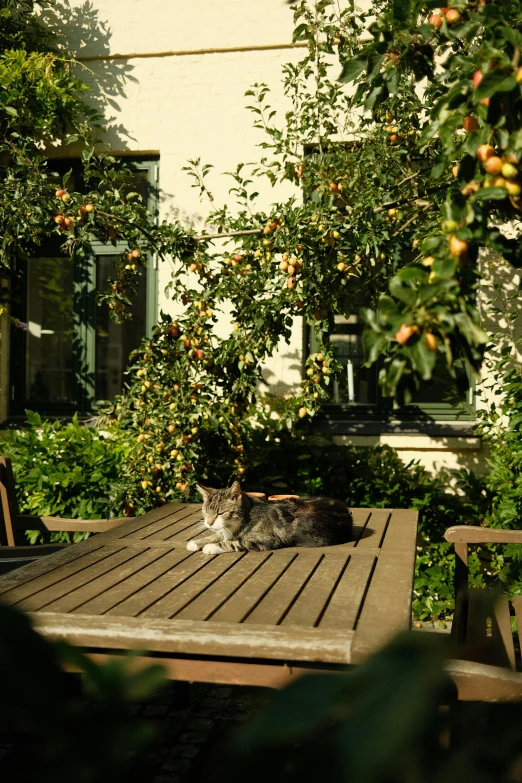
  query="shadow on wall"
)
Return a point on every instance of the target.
[
  {"x": 82, "y": 33},
  {"x": 293, "y": 364}
]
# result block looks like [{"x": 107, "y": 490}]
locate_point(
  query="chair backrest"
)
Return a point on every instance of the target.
[{"x": 8, "y": 503}]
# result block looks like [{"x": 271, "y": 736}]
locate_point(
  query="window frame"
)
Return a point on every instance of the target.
[{"x": 84, "y": 310}]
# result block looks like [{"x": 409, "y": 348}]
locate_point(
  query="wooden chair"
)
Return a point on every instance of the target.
[
  {"x": 482, "y": 625},
  {"x": 13, "y": 553}
]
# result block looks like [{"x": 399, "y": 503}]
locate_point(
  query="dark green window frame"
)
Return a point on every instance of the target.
[
  {"x": 86, "y": 313},
  {"x": 379, "y": 409}
]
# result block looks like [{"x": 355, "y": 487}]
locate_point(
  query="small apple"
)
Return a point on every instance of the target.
[
  {"x": 89, "y": 207},
  {"x": 291, "y": 270},
  {"x": 457, "y": 246},
  {"x": 477, "y": 78},
  {"x": 405, "y": 332},
  {"x": 59, "y": 193},
  {"x": 291, "y": 282},
  {"x": 67, "y": 222},
  {"x": 333, "y": 186},
  {"x": 302, "y": 413},
  {"x": 513, "y": 188},
  {"x": 59, "y": 219},
  {"x": 470, "y": 188},
  {"x": 470, "y": 124},
  {"x": 484, "y": 152},
  {"x": 341, "y": 266},
  {"x": 66, "y": 198},
  {"x": 199, "y": 353},
  {"x": 449, "y": 226},
  {"x": 393, "y": 138},
  {"x": 238, "y": 257},
  {"x": 435, "y": 20},
  {"x": 493, "y": 165},
  {"x": 135, "y": 253},
  {"x": 509, "y": 171},
  {"x": 518, "y": 74},
  {"x": 431, "y": 341},
  {"x": 452, "y": 16}
]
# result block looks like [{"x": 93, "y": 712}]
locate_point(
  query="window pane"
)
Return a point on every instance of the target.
[
  {"x": 49, "y": 375},
  {"x": 358, "y": 384},
  {"x": 114, "y": 342}
]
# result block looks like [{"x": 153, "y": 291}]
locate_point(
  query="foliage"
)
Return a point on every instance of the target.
[
  {"x": 94, "y": 737},
  {"x": 63, "y": 470},
  {"x": 380, "y": 723},
  {"x": 465, "y": 61}
]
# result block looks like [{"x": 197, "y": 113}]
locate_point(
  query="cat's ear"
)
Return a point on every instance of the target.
[
  {"x": 235, "y": 491},
  {"x": 205, "y": 492}
]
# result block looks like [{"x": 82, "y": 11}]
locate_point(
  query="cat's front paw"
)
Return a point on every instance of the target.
[
  {"x": 212, "y": 549},
  {"x": 193, "y": 546}
]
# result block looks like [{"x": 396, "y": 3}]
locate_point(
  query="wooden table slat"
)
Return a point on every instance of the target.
[
  {"x": 209, "y": 601},
  {"x": 99, "y": 586},
  {"x": 310, "y": 604},
  {"x": 274, "y": 605},
  {"x": 154, "y": 529},
  {"x": 46, "y": 565},
  {"x": 387, "y": 606},
  {"x": 343, "y": 607},
  {"x": 241, "y": 604},
  {"x": 50, "y": 577},
  {"x": 375, "y": 530},
  {"x": 156, "y": 590},
  {"x": 171, "y": 510},
  {"x": 109, "y": 560},
  {"x": 190, "y": 588},
  {"x": 127, "y": 588}
]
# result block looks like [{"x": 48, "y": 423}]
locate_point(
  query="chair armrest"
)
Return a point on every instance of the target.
[
  {"x": 28, "y": 522},
  {"x": 474, "y": 534}
]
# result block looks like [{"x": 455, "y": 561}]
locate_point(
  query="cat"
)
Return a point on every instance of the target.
[{"x": 241, "y": 523}]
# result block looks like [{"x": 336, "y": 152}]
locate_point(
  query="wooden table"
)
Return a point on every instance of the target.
[{"x": 257, "y": 618}]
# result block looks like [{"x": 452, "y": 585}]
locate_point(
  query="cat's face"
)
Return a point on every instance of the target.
[{"x": 222, "y": 509}]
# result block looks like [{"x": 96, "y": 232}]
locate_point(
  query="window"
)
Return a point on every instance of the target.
[
  {"x": 357, "y": 395},
  {"x": 72, "y": 355}
]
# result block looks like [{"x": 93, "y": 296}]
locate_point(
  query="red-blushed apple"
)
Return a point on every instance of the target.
[
  {"x": 452, "y": 16},
  {"x": 477, "y": 78},
  {"x": 470, "y": 124},
  {"x": 405, "y": 332},
  {"x": 493, "y": 165},
  {"x": 485, "y": 151},
  {"x": 59, "y": 219},
  {"x": 435, "y": 20}
]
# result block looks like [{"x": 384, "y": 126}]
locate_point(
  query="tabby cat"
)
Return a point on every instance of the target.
[{"x": 240, "y": 523}]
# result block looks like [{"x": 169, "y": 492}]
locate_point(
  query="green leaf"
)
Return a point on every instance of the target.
[
  {"x": 354, "y": 67},
  {"x": 513, "y": 36},
  {"x": 424, "y": 359},
  {"x": 491, "y": 194},
  {"x": 493, "y": 82}
]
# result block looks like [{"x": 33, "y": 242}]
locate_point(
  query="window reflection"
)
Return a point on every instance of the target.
[{"x": 49, "y": 375}]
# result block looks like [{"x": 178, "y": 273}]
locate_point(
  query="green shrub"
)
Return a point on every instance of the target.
[{"x": 64, "y": 470}]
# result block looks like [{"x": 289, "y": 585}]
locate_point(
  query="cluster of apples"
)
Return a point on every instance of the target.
[
  {"x": 64, "y": 221},
  {"x": 451, "y": 15},
  {"x": 235, "y": 260},
  {"x": 406, "y": 331},
  {"x": 501, "y": 172},
  {"x": 318, "y": 366},
  {"x": 291, "y": 266}
]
